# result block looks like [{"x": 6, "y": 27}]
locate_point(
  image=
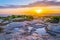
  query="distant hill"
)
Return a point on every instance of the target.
[
  {"x": 4, "y": 14},
  {"x": 57, "y": 14}
]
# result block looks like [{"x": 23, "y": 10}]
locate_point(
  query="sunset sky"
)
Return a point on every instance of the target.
[
  {"x": 31, "y": 11},
  {"x": 28, "y": 10}
]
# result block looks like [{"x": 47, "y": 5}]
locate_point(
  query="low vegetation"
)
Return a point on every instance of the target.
[
  {"x": 27, "y": 17},
  {"x": 54, "y": 19}
]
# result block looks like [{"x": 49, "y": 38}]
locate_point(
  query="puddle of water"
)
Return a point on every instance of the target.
[{"x": 41, "y": 31}]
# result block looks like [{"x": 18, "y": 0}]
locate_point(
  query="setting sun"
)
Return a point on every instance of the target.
[{"x": 38, "y": 10}]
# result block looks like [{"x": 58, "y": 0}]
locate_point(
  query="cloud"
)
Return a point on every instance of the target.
[
  {"x": 34, "y": 4},
  {"x": 57, "y": 0}
]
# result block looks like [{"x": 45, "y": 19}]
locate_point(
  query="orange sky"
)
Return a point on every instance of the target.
[{"x": 31, "y": 10}]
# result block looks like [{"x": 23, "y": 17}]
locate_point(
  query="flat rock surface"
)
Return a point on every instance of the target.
[{"x": 39, "y": 34}]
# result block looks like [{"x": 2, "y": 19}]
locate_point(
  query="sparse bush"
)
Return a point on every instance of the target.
[
  {"x": 54, "y": 19},
  {"x": 1, "y": 29}
]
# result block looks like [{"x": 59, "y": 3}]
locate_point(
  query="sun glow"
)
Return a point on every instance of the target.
[{"x": 38, "y": 10}]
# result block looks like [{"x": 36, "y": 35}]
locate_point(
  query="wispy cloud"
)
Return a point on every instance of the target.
[{"x": 37, "y": 3}]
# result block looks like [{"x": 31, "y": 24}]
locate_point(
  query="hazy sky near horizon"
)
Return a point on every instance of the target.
[
  {"x": 31, "y": 10},
  {"x": 20, "y": 2}
]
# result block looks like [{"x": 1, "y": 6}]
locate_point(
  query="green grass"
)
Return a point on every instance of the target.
[
  {"x": 27, "y": 17},
  {"x": 54, "y": 19}
]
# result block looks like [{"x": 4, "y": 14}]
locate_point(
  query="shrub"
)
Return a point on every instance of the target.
[
  {"x": 1, "y": 29},
  {"x": 54, "y": 19}
]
